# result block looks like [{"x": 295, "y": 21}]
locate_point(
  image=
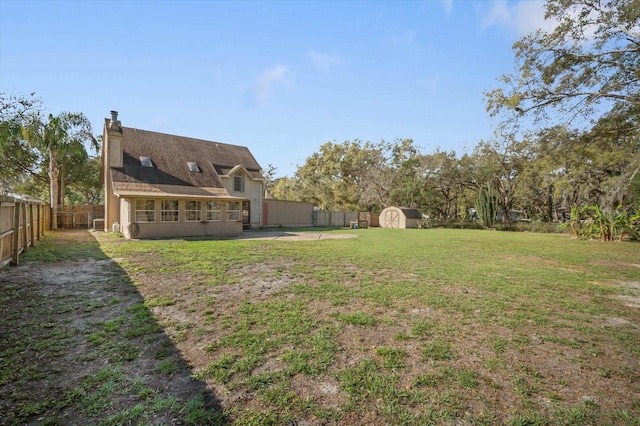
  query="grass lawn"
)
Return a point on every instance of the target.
[{"x": 399, "y": 326}]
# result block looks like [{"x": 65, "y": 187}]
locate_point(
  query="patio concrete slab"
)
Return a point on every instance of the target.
[{"x": 292, "y": 236}]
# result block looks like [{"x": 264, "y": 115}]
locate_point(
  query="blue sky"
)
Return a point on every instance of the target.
[{"x": 280, "y": 77}]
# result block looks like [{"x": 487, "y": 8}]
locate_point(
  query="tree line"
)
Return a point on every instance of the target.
[
  {"x": 567, "y": 146},
  {"x": 542, "y": 176}
]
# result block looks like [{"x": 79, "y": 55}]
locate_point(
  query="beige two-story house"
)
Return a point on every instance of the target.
[{"x": 159, "y": 185}]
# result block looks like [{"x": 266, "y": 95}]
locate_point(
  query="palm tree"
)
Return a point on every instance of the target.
[{"x": 55, "y": 138}]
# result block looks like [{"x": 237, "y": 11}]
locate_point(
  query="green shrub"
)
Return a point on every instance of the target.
[{"x": 448, "y": 223}]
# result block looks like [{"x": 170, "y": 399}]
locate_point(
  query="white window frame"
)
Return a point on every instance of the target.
[
  {"x": 233, "y": 211},
  {"x": 193, "y": 214},
  {"x": 193, "y": 166},
  {"x": 174, "y": 213},
  {"x": 145, "y": 161},
  {"x": 142, "y": 215},
  {"x": 214, "y": 211}
]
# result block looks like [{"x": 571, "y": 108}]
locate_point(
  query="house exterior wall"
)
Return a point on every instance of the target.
[
  {"x": 252, "y": 191},
  {"x": 125, "y": 217},
  {"x": 287, "y": 213},
  {"x": 181, "y": 228},
  {"x": 189, "y": 229},
  {"x": 111, "y": 210},
  {"x": 112, "y": 146},
  {"x": 120, "y": 209}
]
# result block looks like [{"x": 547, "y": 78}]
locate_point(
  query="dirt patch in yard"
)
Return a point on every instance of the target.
[
  {"x": 77, "y": 346},
  {"x": 632, "y": 298},
  {"x": 292, "y": 236}
]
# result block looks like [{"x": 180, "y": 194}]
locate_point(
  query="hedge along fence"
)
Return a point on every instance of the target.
[{"x": 22, "y": 222}]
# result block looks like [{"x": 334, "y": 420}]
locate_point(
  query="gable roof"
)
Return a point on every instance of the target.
[
  {"x": 410, "y": 213},
  {"x": 170, "y": 156}
]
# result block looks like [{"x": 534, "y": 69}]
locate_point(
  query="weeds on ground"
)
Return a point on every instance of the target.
[
  {"x": 405, "y": 327},
  {"x": 82, "y": 352}
]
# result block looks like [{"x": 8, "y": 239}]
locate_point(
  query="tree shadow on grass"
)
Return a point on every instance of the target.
[{"x": 78, "y": 345}]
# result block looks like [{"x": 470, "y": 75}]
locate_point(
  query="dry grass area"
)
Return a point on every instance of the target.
[{"x": 392, "y": 327}]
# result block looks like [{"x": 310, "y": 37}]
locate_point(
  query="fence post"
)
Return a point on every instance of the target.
[
  {"x": 15, "y": 250},
  {"x": 39, "y": 218},
  {"x": 31, "y": 226},
  {"x": 25, "y": 231}
]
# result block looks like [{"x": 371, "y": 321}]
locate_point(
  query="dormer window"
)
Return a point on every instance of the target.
[
  {"x": 193, "y": 166},
  {"x": 238, "y": 183},
  {"x": 145, "y": 162}
]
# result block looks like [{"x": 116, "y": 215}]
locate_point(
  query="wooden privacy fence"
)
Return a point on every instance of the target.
[
  {"x": 79, "y": 216},
  {"x": 296, "y": 213},
  {"x": 22, "y": 222},
  {"x": 362, "y": 219}
]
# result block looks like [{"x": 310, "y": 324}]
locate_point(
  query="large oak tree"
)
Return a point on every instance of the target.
[
  {"x": 17, "y": 159},
  {"x": 588, "y": 64}
]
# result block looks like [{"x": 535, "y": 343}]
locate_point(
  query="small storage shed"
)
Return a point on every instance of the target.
[{"x": 399, "y": 217}]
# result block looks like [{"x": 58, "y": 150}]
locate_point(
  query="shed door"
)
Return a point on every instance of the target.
[{"x": 392, "y": 218}]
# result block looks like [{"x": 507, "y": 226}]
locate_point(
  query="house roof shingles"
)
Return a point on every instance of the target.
[{"x": 170, "y": 154}]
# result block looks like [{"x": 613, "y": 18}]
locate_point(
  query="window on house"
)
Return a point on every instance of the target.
[
  {"x": 193, "y": 166},
  {"x": 145, "y": 211},
  {"x": 233, "y": 210},
  {"x": 169, "y": 211},
  {"x": 193, "y": 211},
  {"x": 238, "y": 183},
  {"x": 214, "y": 210},
  {"x": 146, "y": 162}
]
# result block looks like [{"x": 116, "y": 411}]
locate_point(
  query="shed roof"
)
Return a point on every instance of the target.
[{"x": 410, "y": 213}]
